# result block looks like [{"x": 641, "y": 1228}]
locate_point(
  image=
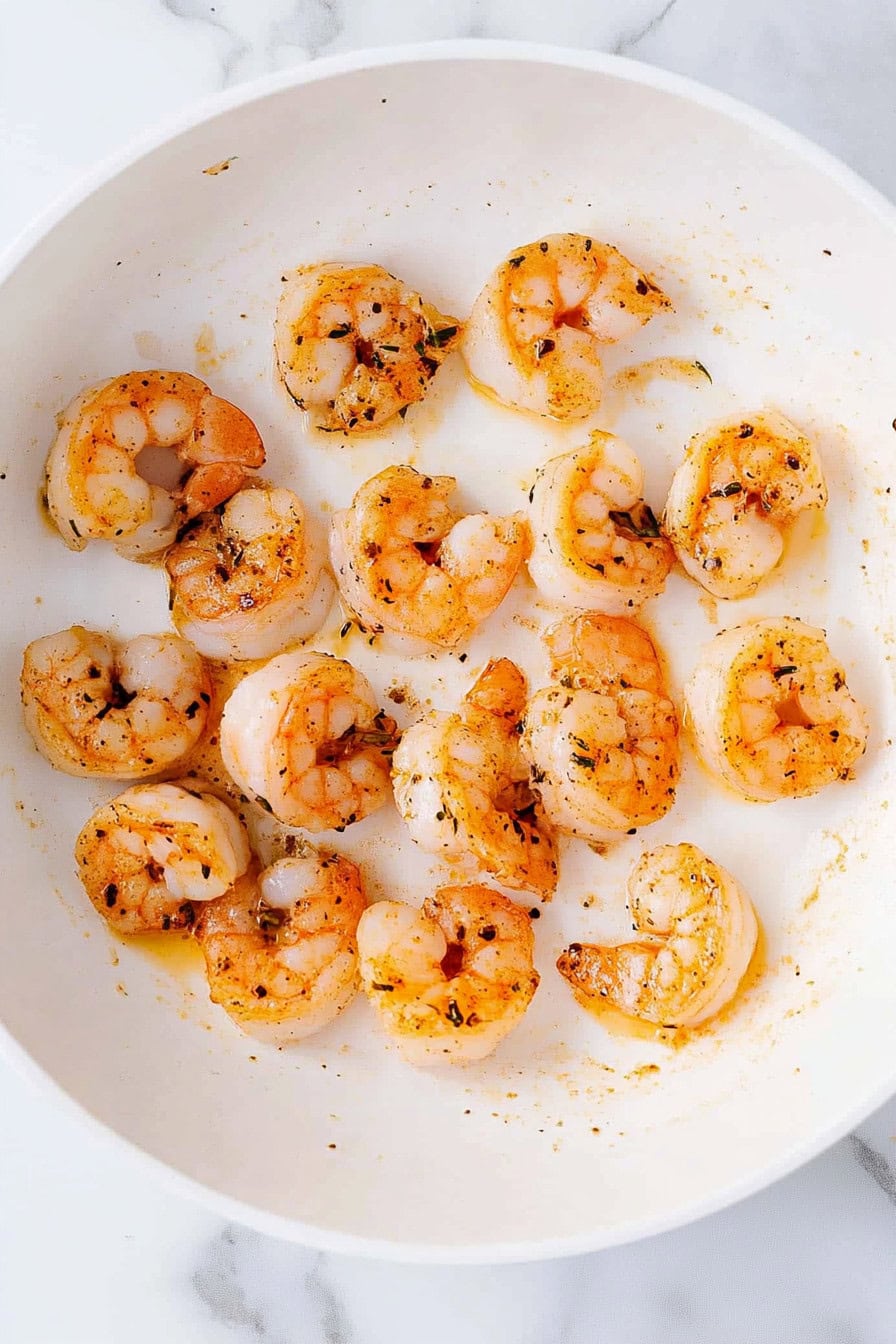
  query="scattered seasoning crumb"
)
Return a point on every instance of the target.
[{"x": 214, "y": 169}]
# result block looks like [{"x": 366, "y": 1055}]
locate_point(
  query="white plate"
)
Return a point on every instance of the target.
[{"x": 436, "y": 162}]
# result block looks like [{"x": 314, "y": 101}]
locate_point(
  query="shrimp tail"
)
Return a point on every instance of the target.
[
  {"x": 222, "y": 428},
  {"x": 500, "y": 689},
  {"x": 207, "y": 486},
  {"x": 616, "y": 974}
]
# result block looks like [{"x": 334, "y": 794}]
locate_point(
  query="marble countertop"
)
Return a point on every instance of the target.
[{"x": 92, "y": 1249}]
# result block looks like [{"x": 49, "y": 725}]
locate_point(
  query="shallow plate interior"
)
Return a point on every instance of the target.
[{"x": 782, "y": 278}]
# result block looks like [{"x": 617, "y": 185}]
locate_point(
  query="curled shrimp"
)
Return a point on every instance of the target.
[
  {"x": 95, "y": 491},
  {"x": 356, "y": 346},
  {"x": 698, "y": 933},
  {"x": 771, "y": 712},
  {"x": 595, "y": 544},
  {"x": 735, "y": 497},
  {"x": 249, "y": 578},
  {"x": 461, "y": 786},
  {"x": 304, "y": 736},
  {"x": 112, "y": 710},
  {"x": 536, "y": 333},
  {"x": 603, "y": 745},
  {"x": 450, "y": 981},
  {"x": 407, "y": 564},
  {"x": 148, "y": 855},
  {"x": 280, "y": 947}
]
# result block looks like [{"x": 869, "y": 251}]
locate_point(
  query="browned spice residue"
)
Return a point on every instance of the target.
[{"x": 214, "y": 169}]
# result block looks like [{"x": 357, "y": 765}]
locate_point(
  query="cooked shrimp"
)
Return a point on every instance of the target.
[
  {"x": 603, "y": 745},
  {"x": 149, "y": 854},
  {"x": 280, "y": 947},
  {"x": 735, "y": 497},
  {"x": 771, "y": 711},
  {"x": 450, "y": 981},
  {"x": 595, "y": 543},
  {"x": 698, "y": 930},
  {"x": 112, "y": 710},
  {"x": 356, "y": 346},
  {"x": 249, "y": 578},
  {"x": 94, "y": 487},
  {"x": 303, "y": 735},
  {"x": 536, "y": 333},
  {"x": 461, "y": 786},
  {"x": 406, "y": 563}
]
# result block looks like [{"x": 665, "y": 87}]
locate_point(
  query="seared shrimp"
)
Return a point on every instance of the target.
[
  {"x": 461, "y": 786},
  {"x": 249, "y": 578},
  {"x": 603, "y": 745},
  {"x": 94, "y": 487},
  {"x": 735, "y": 497},
  {"x": 116, "y": 711},
  {"x": 595, "y": 543},
  {"x": 536, "y": 333},
  {"x": 698, "y": 932},
  {"x": 280, "y": 947},
  {"x": 149, "y": 854},
  {"x": 771, "y": 711},
  {"x": 304, "y": 736},
  {"x": 406, "y": 563},
  {"x": 450, "y": 981},
  {"x": 356, "y": 346}
]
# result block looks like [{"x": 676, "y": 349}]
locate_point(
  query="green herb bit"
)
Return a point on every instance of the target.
[{"x": 442, "y": 336}]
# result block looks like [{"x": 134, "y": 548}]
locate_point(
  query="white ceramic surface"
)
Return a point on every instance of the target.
[{"x": 803, "y": 1057}]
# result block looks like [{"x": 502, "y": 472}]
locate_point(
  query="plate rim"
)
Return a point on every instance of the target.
[{"x": 16, "y": 252}]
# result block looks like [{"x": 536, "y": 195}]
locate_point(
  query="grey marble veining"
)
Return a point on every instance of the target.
[
  {"x": 93, "y": 1250},
  {"x": 784, "y": 1266},
  {"x": 801, "y": 61}
]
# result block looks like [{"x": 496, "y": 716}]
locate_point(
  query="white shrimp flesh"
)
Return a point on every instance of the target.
[
  {"x": 451, "y": 980},
  {"x": 697, "y": 933},
  {"x": 100, "y": 467},
  {"x": 304, "y": 737},
  {"x": 249, "y": 578},
  {"x": 106, "y": 709}
]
